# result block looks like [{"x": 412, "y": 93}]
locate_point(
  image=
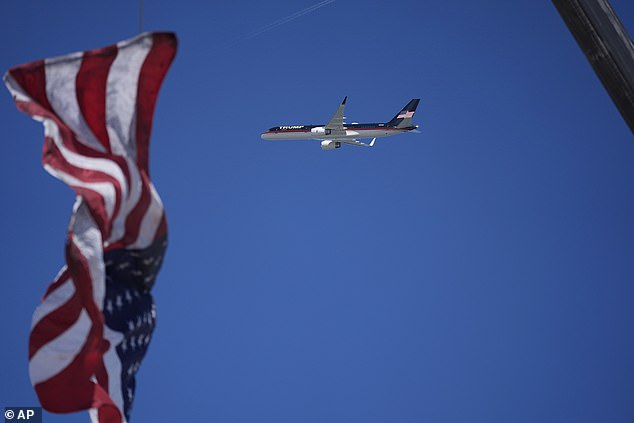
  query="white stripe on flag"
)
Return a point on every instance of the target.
[
  {"x": 105, "y": 189},
  {"x": 15, "y": 89},
  {"x": 97, "y": 164},
  {"x": 121, "y": 93},
  {"x": 151, "y": 220},
  {"x": 128, "y": 201},
  {"x": 53, "y": 301},
  {"x": 113, "y": 368},
  {"x": 61, "y": 77},
  {"x": 56, "y": 355},
  {"x": 121, "y": 97},
  {"x": 87, "y": 238}
]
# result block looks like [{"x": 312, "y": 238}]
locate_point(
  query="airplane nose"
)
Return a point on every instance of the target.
[{"x": 266, "y": 136}]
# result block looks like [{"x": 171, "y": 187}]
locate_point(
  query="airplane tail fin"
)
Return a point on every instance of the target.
[{"x": 403, "y": 118}]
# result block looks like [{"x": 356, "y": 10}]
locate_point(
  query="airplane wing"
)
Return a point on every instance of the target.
[
  {"x": 356, "y": 142},
  {"x": 336, "y": 123}
]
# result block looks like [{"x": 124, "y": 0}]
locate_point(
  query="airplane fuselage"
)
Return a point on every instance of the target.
[
  {"x": 319, "y": 132},
  {"x": 336, "y": 132}
]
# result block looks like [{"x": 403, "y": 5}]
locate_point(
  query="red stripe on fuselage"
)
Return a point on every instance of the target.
[
  {"x": 349, "y": 128},
  {"x": 287, "y": 130}
]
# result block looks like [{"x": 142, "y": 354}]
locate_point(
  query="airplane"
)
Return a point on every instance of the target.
[{"x": 336, "y": 132}]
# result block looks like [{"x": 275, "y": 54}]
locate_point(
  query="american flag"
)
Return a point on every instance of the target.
[
  {"x": 405, "y": 115},
  {"x": 93, "y": 326}
]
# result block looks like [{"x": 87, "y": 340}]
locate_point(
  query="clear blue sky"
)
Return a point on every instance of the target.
[{"x": 481, "y": 271}]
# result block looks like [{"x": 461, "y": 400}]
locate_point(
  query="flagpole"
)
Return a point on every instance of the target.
[{"x": 140, "y": 15}]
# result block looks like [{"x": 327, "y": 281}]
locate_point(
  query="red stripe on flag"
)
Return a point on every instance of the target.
[
  {"x": 59, "y": 281},
  {"x": 54, "y": 324},
  {"x": 133, "y": 222},
  {"x": 32, "y": 79},
  {"x": 73, "y": 389},
  {"x": 151, "y": 77},
  {"x": 91, "y": 90},
  {"x": 96, "y": 203}
]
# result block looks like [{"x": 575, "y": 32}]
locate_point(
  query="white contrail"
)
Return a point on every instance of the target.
[{"x": 288, "y": 19}]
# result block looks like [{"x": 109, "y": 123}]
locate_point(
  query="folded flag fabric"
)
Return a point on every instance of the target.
[{"x": 94, "y": 324}]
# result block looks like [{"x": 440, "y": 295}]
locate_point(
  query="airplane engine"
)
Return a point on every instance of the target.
[
  {"x": 318, "y": 130},
  {"x": 330, "y": 145}
]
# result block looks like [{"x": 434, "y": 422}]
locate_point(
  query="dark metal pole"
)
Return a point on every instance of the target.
[{"x": 607, "y": 46}]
